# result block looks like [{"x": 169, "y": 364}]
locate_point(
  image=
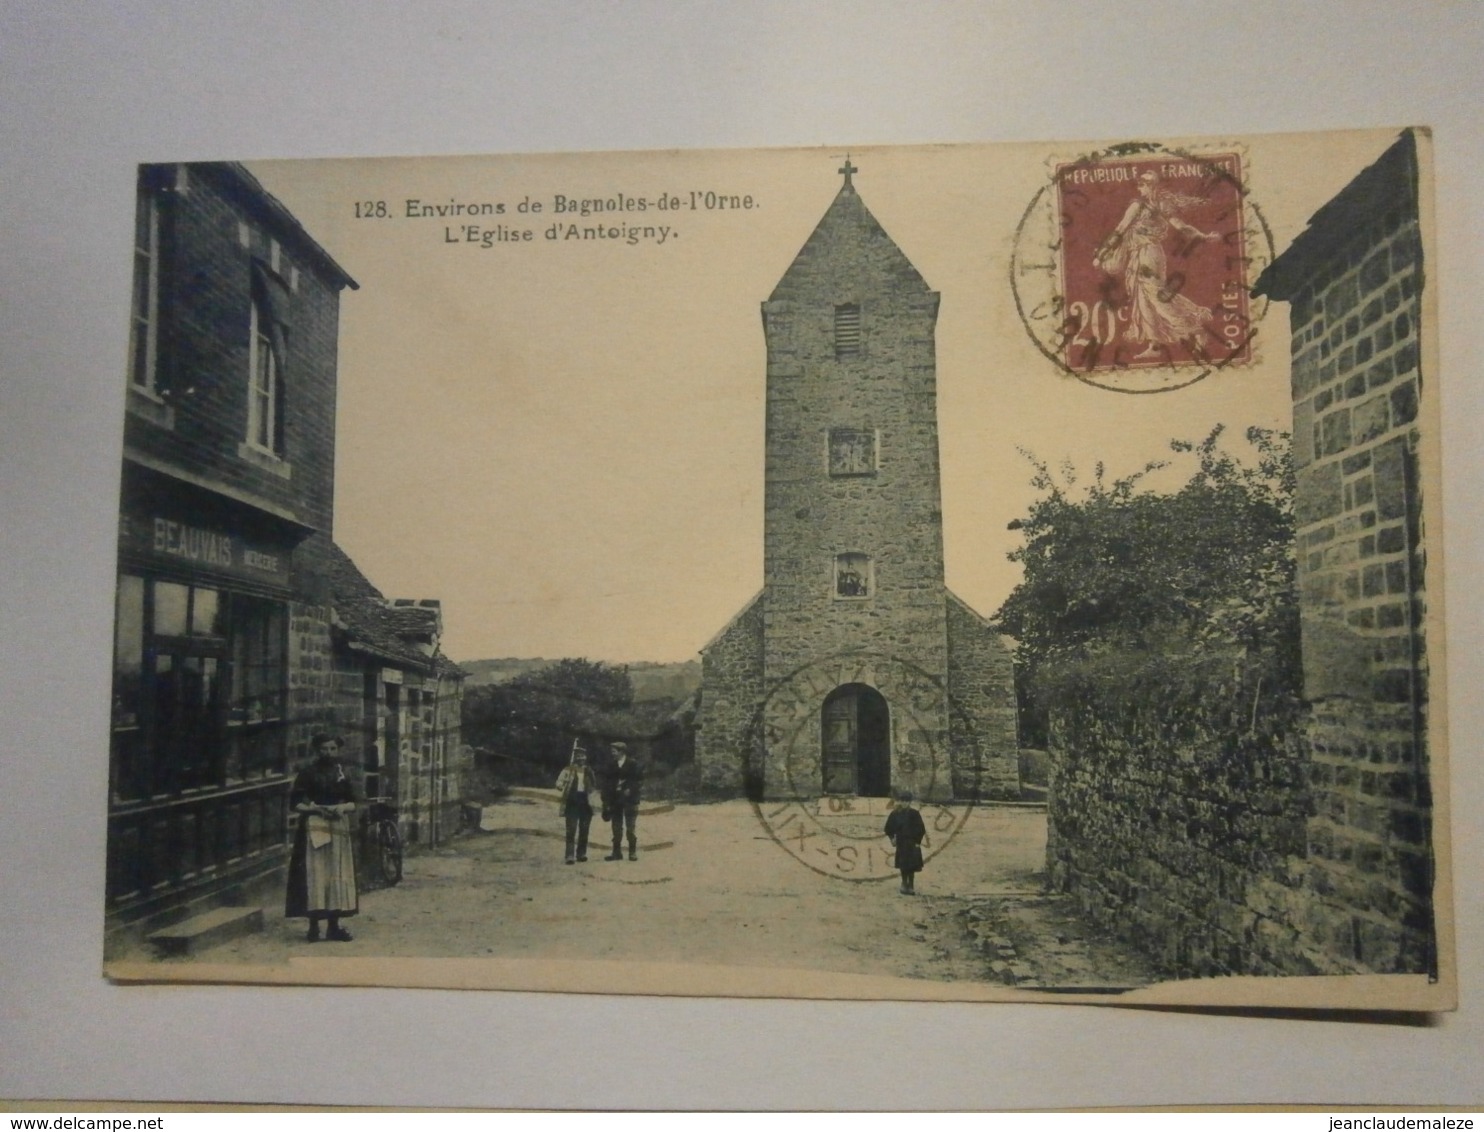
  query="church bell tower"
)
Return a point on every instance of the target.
[
  {"x": 836, "y": 678},
  {"x": 853, "y": 524}
]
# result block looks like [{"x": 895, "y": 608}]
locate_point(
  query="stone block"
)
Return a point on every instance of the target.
[
  {"x": 207, "y": 930},
  {"x": 1342, "y": 298},
  {"x": 1404, "y": 403},
  {"x": 1404, "y": 360},
  {"x": 1335, "y": 432},
  {"x": 1319, "y": 495}
]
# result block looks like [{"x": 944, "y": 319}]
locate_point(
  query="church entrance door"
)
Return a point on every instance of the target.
[{"x": 856, "y": 755}]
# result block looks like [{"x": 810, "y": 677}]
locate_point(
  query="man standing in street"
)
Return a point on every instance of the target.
[
  {"x": 576, "y": 786},
  {"x": 621, "y": 800}
]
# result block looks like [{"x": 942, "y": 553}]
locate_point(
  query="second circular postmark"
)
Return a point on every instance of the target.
[{"x": 831, "y": 744}]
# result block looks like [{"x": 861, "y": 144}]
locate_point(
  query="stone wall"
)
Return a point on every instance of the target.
[
  {"x": 311, "y": 680},
  {"x": 982, "y": 724},
  {"x": 1354, "y": 282},
  {"x": 1177, "y": 814},
  {"x": 732, "y": 690}
]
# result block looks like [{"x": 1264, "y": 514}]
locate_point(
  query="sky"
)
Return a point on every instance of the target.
[{"x": 561, "y": 438}]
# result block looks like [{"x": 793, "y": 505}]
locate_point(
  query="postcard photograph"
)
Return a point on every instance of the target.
[{"x": 944, "y": 572}]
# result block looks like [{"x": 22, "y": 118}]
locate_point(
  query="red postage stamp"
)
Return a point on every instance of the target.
[{"x": 1153, "y": 262}]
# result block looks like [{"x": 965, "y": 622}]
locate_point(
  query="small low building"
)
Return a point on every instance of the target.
[{"x": 397, "y": 702}]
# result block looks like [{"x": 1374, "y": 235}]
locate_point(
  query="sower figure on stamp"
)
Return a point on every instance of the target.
[
  {"x": 576, "y": 786},
  {"x": 621, "y": 800},
  {"x": 907, "y": 831},
  {"x": 1158, "y": 315},
  {"x": 322, "y": 870}
]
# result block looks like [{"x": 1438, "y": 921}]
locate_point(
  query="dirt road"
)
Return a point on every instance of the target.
[{"x": 711, "y": 885}]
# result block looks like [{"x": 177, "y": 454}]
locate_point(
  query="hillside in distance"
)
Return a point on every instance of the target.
[{"x": 652, "y": 680}]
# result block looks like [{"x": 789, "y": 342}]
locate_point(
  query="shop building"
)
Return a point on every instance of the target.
[{"x": 223, "y": 637}]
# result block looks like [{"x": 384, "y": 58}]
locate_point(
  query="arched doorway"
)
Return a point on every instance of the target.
[{"x": 856, "y": 731}]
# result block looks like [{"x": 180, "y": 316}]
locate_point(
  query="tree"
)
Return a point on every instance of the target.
[
  {"x": 1115, "y": 570},
  {"x": 533, "y": 720}
]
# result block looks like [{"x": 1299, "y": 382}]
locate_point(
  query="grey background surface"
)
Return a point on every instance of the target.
[{"x": 88, "y": 91}]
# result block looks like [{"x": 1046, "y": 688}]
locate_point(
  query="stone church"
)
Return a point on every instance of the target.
[{"x": 855, "y": 671}]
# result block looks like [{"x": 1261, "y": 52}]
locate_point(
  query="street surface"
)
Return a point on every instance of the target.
[{"x": 711, "y": 885}]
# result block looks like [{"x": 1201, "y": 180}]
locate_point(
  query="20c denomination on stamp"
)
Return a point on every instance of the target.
[{"x": 1132, "y": 267}]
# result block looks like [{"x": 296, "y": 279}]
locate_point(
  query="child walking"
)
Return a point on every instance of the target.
[{"x": 905, "y": 830}]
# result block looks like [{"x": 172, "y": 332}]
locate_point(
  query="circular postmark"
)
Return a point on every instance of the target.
[
  {"x": 1132, "y": 267},
  {"x": 811, "y": 746}
]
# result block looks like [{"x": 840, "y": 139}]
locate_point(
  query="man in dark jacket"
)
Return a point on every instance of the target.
[{"x": 621, "y": 800}]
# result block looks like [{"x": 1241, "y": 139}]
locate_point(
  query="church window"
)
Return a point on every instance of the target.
[
  {"x": 847, "y": 330},
  {"x": 852, "y": 452},
  {"x": 853, "y": 575}
]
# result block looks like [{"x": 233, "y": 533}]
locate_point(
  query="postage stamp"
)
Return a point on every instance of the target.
[{"x": 1134, "y": 266}]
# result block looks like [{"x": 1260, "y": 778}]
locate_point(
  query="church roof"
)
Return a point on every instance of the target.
[{"x": 848, "y": 244}]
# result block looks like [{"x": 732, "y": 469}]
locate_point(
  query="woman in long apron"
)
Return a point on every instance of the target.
[{"x": 322, "y": 870}]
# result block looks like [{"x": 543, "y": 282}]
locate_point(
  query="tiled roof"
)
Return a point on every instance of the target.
[
  {"x": 373, "y": 626},
  {"x": 414, "y": 620}
]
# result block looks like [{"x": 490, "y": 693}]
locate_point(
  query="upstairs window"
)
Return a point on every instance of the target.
[
  {"x": 848, "y": 330},
  {"x": 265, "y": 385},
  {"x": 144, "y": 325}
]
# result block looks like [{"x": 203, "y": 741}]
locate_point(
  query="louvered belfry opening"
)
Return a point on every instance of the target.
[{"x": 847, "y": 330}]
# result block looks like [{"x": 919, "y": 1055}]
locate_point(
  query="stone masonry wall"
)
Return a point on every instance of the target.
[
  {"x": 1357, "y": 389},
  {"x": 1176, "y": 816},
  {"x": 982, "y": 724},
  {"x": 311, "y": 679},
  {"x": 732, "y": 690}
]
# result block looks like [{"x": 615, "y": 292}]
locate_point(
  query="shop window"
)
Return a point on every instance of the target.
[
  {"x": 199, "y": 688},
  {"x": 172, "y": 609},
  {"x": 259, "y": 659},
  {"x": 187, "y": 702},
  {"x": 128, "y": 688}
]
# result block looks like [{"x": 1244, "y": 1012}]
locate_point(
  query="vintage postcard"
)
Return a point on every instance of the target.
[{"x": 964, "y": 572}]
